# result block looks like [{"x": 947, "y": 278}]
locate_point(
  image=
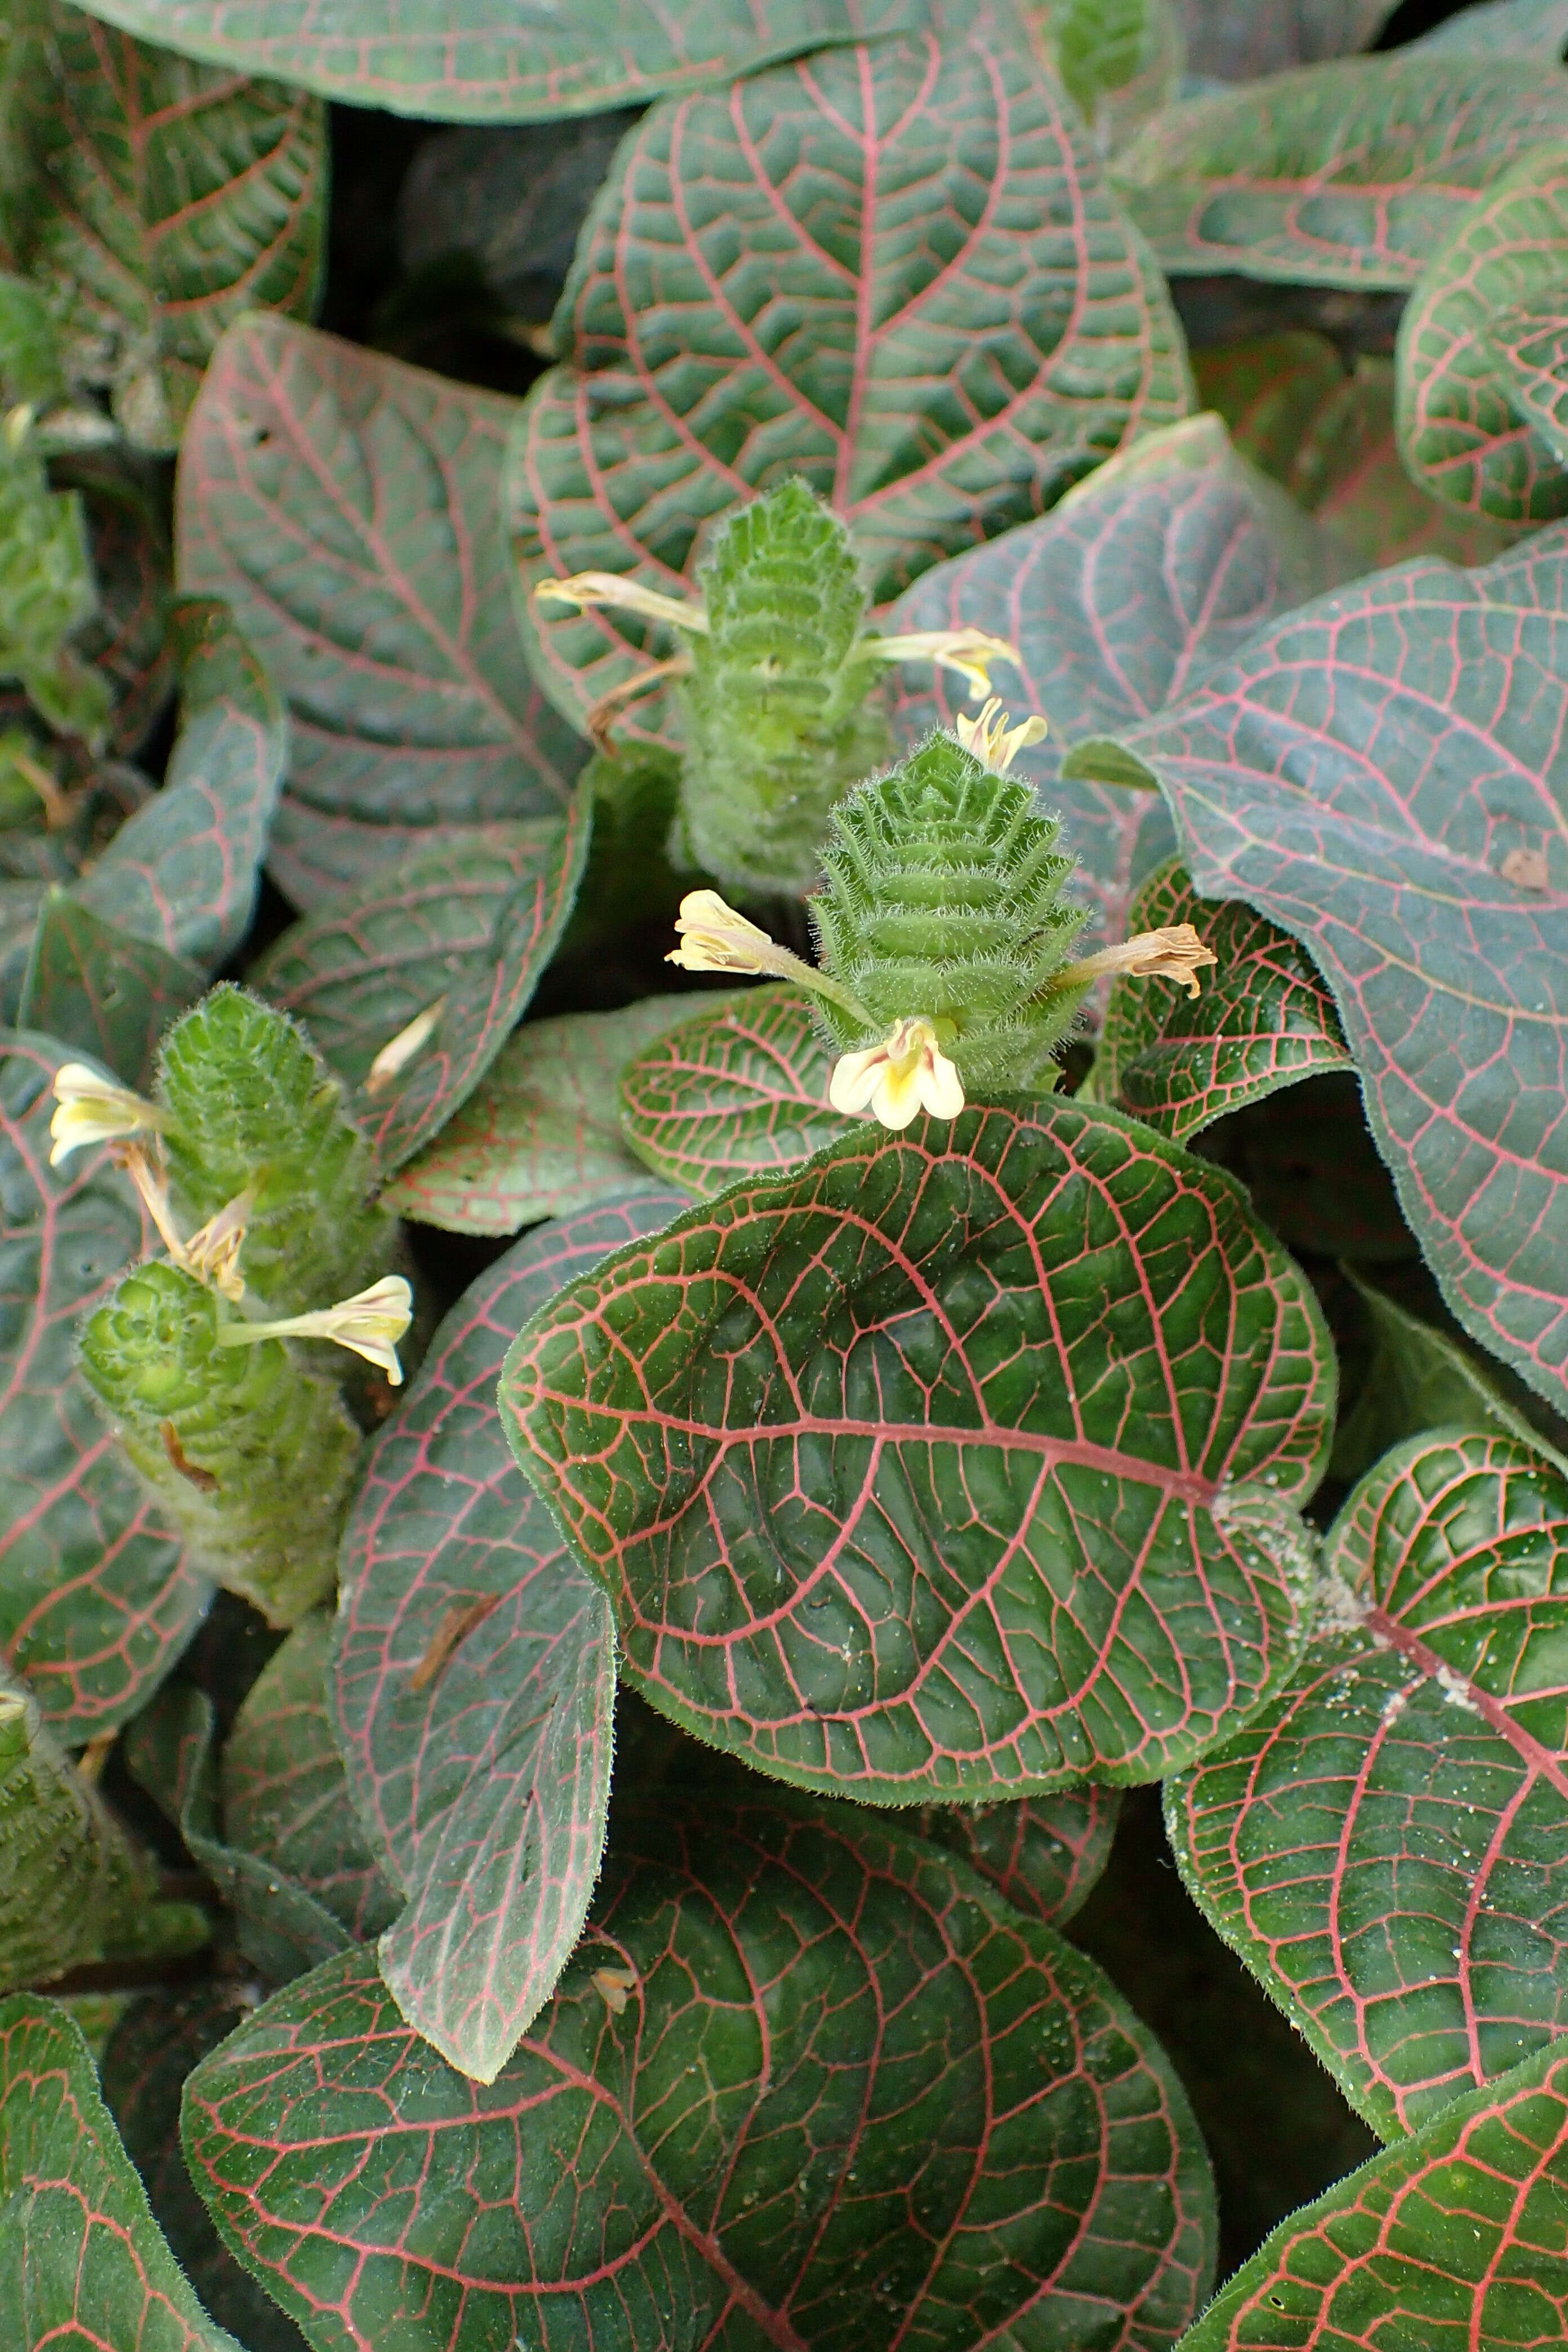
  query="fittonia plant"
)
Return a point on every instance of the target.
[{"x": 862, "y": 839}]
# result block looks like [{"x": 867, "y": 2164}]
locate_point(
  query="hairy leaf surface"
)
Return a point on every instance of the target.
[
  {"x": 738, "y": 1090},
  {"x": 96, "y": 1602},
  {"x": 1160, "y": 565},
  {"x": 1380, "y": 775},
  {"x": 961, "y": 1461},
  {"x": 1386, "y": 1844},
  {"x": 540, "y": 1135},
  {"x": 770, "y": 2013},
  {"x": 474, "y": 1674},
  {"x": 346, "y": 506},
  {"x": 939, "y": 322}
]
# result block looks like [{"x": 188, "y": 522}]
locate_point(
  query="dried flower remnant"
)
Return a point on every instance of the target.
[
  {"x": 1174, "y": 953},
  {"x": 398, "y": 1052}
]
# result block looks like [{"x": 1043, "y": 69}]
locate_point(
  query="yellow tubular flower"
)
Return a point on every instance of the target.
[
  {"x": 1175, "y": 953},
  {"x": 371, "y": 1324},
  {"x": 991, "y": 739},
  {"x": 906, "y": 1073},
  {"x": 90, "y": 1109},
  {"x": 590, "y": 590},
  {"x": 714, "y": 937},
  {"x": 969, "y": 652}
]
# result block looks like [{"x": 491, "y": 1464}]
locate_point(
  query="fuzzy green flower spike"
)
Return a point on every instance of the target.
[
  {"x": 249, "y": 1452},
  {"x": 944, "y": 933},
  {"x": 776, "y": 679},
  {"x": 74, "y": 1888}
]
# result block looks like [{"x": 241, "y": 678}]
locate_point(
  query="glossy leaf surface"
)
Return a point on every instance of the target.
[
  {"x": 96, "y": 989},
  {"x": 739, "y": 1090},
  {"x": 285, "y": 1792},
  {"x": 1160, "y": 565},
  {"x": 153, "y": 199},
  {"x": 1453, "y": 2240},
  {"x": 471, "y": 61},
  {"x": 799, "y": 2003},
  {"x": 900, "y": 1483},
  {"x": 1458, "y": 429},
  {"x": 1387, "y": 1842},
  {"x": 1379, "y": 775},
  {"x": 1263, "y": 1018},
  {"x": 82, "y": 2262},
  {"x": 940, "y": 325},
  {"x": 540, "y": 1134},
  {"x": 346, "y": 506},
  {"x": 184, "y": 871},
  {"x": 95, "y": 1601},
  {"x": 473, "y": 1674},
  {"x": 1348, "y": 174},
  {"x": 1044, "y": 1854},
  {"x": 171, "y": 1752},
  {"x": 466, "y": 929}
]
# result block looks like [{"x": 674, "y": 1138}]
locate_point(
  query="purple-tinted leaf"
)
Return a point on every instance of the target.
[
  {"x": 961, "y": 1462},
  {"x": 1458, "y": 428},
  {"x": 808, "y": 2083},
  {"x": 153, "y": 199},
  {"x": 151, "y": 2051},
  {"x": 1387, "y": 1845},
  {"x": 474, "y": 1675},
  {"x": 285, "y": 1793},
  {"x": 1380, "y": 775},
  {"x": 540, "y": 1134},
  {"x": 96, "y": 1602},
  {"x": 1044, "y": 1854},
  {"x": 460, "y": 61},
  {"x": 942, "y": 325},
  {"x": 1349, "y": 174},
  {"x": 96, "y": 989},
  {"x": 467, "y": 929},
  {"x": 1263, "y": 1019},
  {"x": 740, "y": 1089},
  {"x": 1329, "y": 437},
  {"x": 283, "y": 1927},
  {"x": 1236, "y": 40},
  {"x": 83, "y": 2265},
  {"x": 346, "y": 506},
  {"x": 1160, "y": 565},
  {"x": 184, "y": 871},
  {"x": 1450, "y": 2243}
]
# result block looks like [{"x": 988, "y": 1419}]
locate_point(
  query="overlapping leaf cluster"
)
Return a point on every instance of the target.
[{"x": 433, "y": 1801}]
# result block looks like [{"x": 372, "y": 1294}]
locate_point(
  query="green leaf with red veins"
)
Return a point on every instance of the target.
[
  {"x": 1329, "y": 437},
  {"x": 942, "y": 325},
  {"x": 1379, "y": 774},
  {"x": 283, "y": 1928},
  {"x": 902, "y": 1484},
  {"x": 82, "y": 2262},
  {"x": 465, "y": 61},
  {"x": 1501, "y": 29},
  {"x": 285, "y": 1793},
  {"x": 1236, "y": 40},
  {"x": 101, "y": 992},
  {"x": 1349, "y": 174},
  {"x": 1528, "y": 342},
  {"x": 473, "y": 1674},
  {"x": 96, "y": 1602},
  {"x": 184, "y": 871},
  {"x": 738, "y": 1090},
  {"x": 1262, "y": 1019},
  {"x": 153, "y": 200},
  {"x": 540, "y": 1134},
  {"x": 1387, "y": 1845},
  {"x": 1450, "y": 2242},
  {"x": 127, "y": 636},
  {"x": 1044, "y": 1854},
  {"x": 150, "y": 2050},
  {"x": 1458, "y": 429},
  {"x": 774, "y": 2005},
  {"x": 460, "y": 934},
  {"x": 1160, "y": 565},
  {"x": 346, "y": 506}
]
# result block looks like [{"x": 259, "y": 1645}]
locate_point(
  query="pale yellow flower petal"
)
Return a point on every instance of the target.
[
  {"x": 1174, "y": 952},
  {"x": 370, "y": 1324},
  {"x": 906, "y": 1073},
  {"x": 991, "y": 739},
  {"x": 591, "y": 590},
  {"x": 92, "y": 1109},
  {"x": 714, "y": 937},
  {"x": 856, "y": 1078},
  {"x": 968, "y": 652},
  {"x": 941, "y": 1088}
]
